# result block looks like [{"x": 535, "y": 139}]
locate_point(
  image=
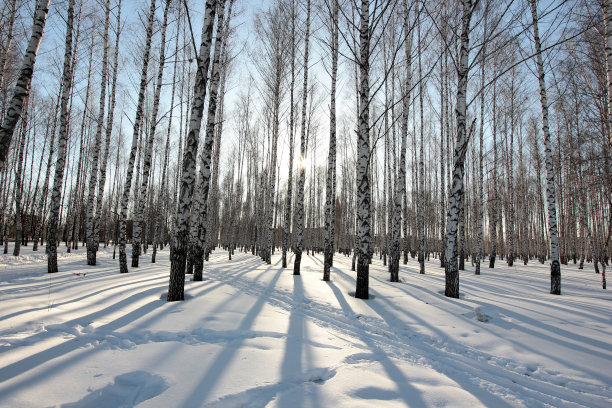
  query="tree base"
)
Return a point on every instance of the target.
[{"x": 555, "y": 278}]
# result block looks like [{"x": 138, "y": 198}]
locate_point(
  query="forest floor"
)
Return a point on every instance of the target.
[{"x": 254, "y": 335}]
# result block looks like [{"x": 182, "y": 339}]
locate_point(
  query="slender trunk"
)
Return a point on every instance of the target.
[
  {"x": 442, "y": 160},
  {"x": 421, "y": 181},
  {"x": 400, "y": 184},
  {"x": 330, "y": 193},
  {"x": 61, "y": 147},
  {"x": 287, "y": 225},
  {"x": 456, "y": 191},
  {"x": 213, "y": 216},
  {"x": 163, "y": 197},
  {"x": 140, "y": 204},
  {"x": 18, "y": 187},
  {"x": 22, "y": 87},
  {"x": 135, "y": 136},
  {"x": 555, "y": 267},
  {"x": 299, "y": 211},
  {"x": 480, "y": 205},
  {"x": 45, "y": 190},
  {"x": 92, "y": 246},
  {"x": 107, "y": 143},
  {"x": 4, "y": 50},
  {"x": 215, "y": 78},
  {"x": 495, "y": 201}
]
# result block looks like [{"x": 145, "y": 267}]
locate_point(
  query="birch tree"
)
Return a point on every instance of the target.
[
  {"x": 363, "y": 156},
  {"x": 400, "y": 184},
  {"x": 205, "y": 163},
  {"x": 108, "y": 133},
  {"x": 180, "y": 239},
  {"x": 93, "y": 180},
  {"x": 607, "y": 9},
  {"x": 4, "y": 50},
  {"x": 139, "y": 210},
  {"x": 135, "y": 137},
  {"x": 461, "y": 144},
  {"x": 61, "y": 146},
  {"x": 42, "y": 201},
  {"x": 421, "y": 177},
  {"x": 289, "y": 196},
  {"x": 22, "y": 87},
  {"x": 163, "y": 194},
  {"x": 330, "y": 192},
  {"x": 299, "y": 211},
  {"x": 18, "y": 187},
  {"x": 277, "y": 90},
  {"x": 555, "y": 266},
  {"x": 480, "y": 199}
]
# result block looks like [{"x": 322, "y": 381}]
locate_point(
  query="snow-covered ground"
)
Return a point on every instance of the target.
[{"x": 254, "y": 335}]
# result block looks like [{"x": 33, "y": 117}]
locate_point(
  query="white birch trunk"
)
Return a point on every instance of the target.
[
  {"x": 163, "y": 197},
  {"x": 127, "y": 186},
  {"x": 9, "y": 40},
  {"x": 108, "y": 130},
  {"x": 555, "y": 267},
  {"x": 289, "y": 198},
  {"x": 607, "y": 8},
  {"x": 213, "y": 216},
  {"x": 92, "y": 246},
  {"x": 511, "y": 254},
  {"x": 40, "y": 208},
  {"x": 494, "y": 204},
  {"x": 180, "y": 240},
  {"x": 442, "y": 159},
  {"x": 456, "y": 188},
  {"x": 61, "y": 146},
  {"x": 363, "y": 154},
  {"x": 205, "y": 164},
  {"x": 330, "y": 193},
  {"x": 22, "y": 87},
  {"x": 18, "y": 186},
  {"x": 400, "y": 184},
  {"x": 139, "y": 211},
  {"x": 421, "y": 180},
  {"x": 299, "y": 211},
  {"x": 271, "y": 191},
  {"x": 480, "y": 205}
]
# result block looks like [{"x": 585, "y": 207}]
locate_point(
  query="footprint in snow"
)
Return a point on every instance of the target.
[{"x": 128, "y": 390}]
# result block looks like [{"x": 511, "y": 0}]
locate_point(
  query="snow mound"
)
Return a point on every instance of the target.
[{"x": 480, "y": 315}]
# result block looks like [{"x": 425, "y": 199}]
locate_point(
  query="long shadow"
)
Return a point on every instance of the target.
[
  {"x": 488, "y": 400},
  {"x": 533, "y": 389},
  {"x": 195, "y": 289},
  {"x": 46, "y": 356},
  {"x": 316, "y": 259},
  {"x": 504, "y": 306},
  {"x": 64, "y": 279},
  {"x": 600, "y": 347},
  {"x": 78, "y": 299},
  {"x": 230, "y": 277},
  {"x": 91, "y": 317},
  {"x": 411, "y": 396},
  {"x": 144, "y": 321},
  {"x": 517, "y": 316},
  {"x": 292, "y": 360},
  {"x": 497, "y": 302},
  {"x": 555, "y": 304},
  {"x": 221, "y": 363},
  {"x": 209, "y": 285},
  {"x": 459, "y": 367}
]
